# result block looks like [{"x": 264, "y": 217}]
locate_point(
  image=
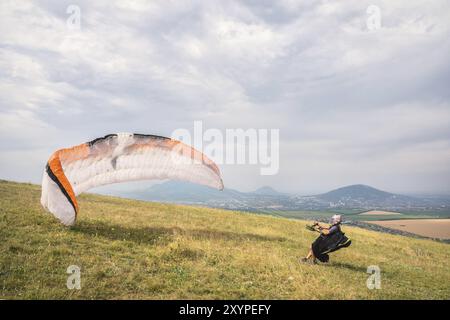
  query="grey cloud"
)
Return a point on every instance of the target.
[{"x": 350, "y": 104}]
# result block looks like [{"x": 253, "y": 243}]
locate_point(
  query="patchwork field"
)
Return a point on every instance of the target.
[{"x": 432, "y": 228}]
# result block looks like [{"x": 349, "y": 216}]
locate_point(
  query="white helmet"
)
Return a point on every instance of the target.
[{"x": 335, "y": 219}]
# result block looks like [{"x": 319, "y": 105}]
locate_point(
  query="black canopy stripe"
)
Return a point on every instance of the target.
[{"x": 61, "y": 187}]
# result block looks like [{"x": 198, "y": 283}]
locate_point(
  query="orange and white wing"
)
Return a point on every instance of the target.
[{"x": 119, "y": 158}]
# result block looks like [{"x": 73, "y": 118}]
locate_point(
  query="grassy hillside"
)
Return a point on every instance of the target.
[{"x": 132, "y": 249}]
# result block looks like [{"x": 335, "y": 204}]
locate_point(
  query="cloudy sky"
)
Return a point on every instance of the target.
[{"x": 353, "y": 104}]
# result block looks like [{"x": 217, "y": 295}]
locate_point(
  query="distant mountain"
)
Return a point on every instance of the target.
[
  {"x": 267, "y": 191},
  {"x": 188, "y": 193},
  {"x": 366, "y": 197},
  {"x": 355, "y": 197}
]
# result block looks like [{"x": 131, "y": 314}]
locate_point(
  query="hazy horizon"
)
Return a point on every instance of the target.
[{"x": 123, "y": 189}]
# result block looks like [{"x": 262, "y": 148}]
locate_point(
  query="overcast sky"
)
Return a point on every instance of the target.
[{"x": 353, "y": 105}]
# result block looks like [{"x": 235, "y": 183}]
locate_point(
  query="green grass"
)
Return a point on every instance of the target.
[
  {"x": 353, "y": 215},
  {"x": 132, "y": 249}
]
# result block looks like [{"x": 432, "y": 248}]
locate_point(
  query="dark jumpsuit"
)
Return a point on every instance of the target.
[{"x": 326, "y": 243}]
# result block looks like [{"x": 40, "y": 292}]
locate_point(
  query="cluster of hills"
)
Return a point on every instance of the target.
[{"x": 354, "y": 197}]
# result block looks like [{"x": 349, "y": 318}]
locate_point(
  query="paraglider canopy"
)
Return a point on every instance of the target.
[{"x": 117, "y": 158}]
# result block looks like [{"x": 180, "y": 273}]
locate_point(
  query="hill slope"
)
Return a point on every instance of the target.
[
  {"x": 357, "y": 191},
  {"x": 133, "y": 249}
]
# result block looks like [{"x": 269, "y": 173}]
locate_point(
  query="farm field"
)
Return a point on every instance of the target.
[{"x": 432, "y": 228}]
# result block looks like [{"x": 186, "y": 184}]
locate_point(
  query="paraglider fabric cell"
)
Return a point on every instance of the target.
[{"x": 119, "y": 158}]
